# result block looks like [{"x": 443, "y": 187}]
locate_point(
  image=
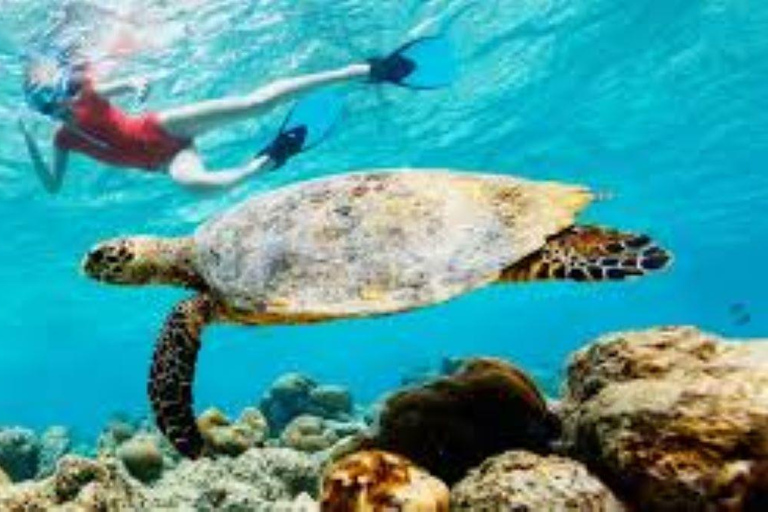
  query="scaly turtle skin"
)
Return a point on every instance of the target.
[{"x": 358, "y": 245}]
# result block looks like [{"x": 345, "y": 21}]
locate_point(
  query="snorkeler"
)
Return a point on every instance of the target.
[{"x": 165, "y": 141}]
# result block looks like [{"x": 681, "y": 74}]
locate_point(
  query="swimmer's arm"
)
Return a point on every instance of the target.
[
  {"x": 189, "y": 170},
  {"x": 139, "y": 86},
  {"x": 51, "y": 178}
]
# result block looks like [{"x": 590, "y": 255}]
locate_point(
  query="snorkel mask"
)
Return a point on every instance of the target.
[{"x": 50, "y": 84}]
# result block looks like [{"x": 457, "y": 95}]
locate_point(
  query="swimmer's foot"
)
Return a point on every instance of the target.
[
  {"x": 308, "y": 124},
  {"x": 424, "y": 63},
  {"x": 287, "y": 144}
]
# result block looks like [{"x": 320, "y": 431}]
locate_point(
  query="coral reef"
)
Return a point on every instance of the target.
[
  {"x": 142, "y": 457},
  {"x": 96, "y": 485},
  {"x": 454, "y": 423},
  {"x": 673, "y": 419},
  {"x": 375, "y": 480},
  {"x": 280, "y": 479},
  {"x": 55, "y": 443},
  {"x": 329, "y": 401},
  {"x": 524, "y": 481},
  {"x": 669, "y": 419},
  {"x": 24, "y": 455},
  {"x": 255, "y": 423},
  {"x": 287, "y": 398},
  {"x": 225, "y": 438},
  {"x": 77, "y": 485},
  {"x": 294, "y": 395},
  {"x": 311, "y": 434},
  {"x": 258, "y": 476},
  {"x": 19, "y": 453},
  {"x": 117, "y": 431}
]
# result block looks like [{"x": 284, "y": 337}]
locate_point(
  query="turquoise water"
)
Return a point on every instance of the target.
[{"x": 663, "y": 105}]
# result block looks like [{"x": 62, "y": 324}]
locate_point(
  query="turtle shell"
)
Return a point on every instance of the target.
[{"x": 376, "y": 242}]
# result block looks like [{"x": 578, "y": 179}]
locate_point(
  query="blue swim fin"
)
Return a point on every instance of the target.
[
  {"x": 424, "y": 63},
  {"x": 308, "y": 124}
]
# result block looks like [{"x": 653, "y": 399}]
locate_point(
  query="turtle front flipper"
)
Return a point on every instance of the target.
[
  {"x": 590, "y": 253},
  {"x": 173, "y": 372}
]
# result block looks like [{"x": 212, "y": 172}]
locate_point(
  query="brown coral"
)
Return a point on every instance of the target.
[
  {"x": 373, "y": 481},
  {"x": 452, "y": 424}
]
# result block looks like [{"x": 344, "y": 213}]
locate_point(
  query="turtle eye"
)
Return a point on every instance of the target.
[
  {"x": 95, "y": 263},
  {"x": 104, "y": 263},
  {"x": 96, "y": 256}
]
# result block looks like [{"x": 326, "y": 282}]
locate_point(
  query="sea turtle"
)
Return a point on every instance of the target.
[{"x": 355, "y": 245}]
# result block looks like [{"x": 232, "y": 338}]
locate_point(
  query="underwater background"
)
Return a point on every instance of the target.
[{"x": 663, "y": 106}]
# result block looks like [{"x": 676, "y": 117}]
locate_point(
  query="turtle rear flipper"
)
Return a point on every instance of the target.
[
  {"x": 173, "y": 372},
  {"x": 590, "y": 253}
]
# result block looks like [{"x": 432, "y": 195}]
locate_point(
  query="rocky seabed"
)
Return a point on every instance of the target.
[{"x": 667, "y": 419}]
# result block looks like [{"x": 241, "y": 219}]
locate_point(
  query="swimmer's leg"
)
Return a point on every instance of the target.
[
  {"x": 194, "y": 120},
  {"x": 188, "y": 169}
]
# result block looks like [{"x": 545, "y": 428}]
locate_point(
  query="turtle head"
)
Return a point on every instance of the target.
[{"x": 143, "y": 260}]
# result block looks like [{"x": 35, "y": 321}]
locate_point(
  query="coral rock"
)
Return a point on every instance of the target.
[
  {"x": 19, "y": 453},
  {"x": 294, "y": 395},
  {"x": 75, "y": 473},
  {"x": 673, "y": 419},
  {"x": 225, "y": 438},
  {"x": 252, "y": 481},
  {"x": 287, "y": 398},
  {"x": 257, "y": 480},
  {"x": 376, "y": 481},
  {"x": 220, "y": 437},
  {"x": 330, "y": 401},
  {"x": 86, "y": 485},
  {"x": 292, "y": 385},
  {"x": 454, "y": 423},
  {"x": 309, "y": 434},
  {"x": 4, "y": 479},
  {"x": 524, "y": 481},
  {"x": 230, "y": 440},
  {"x": 211, "y": 419},
  {"x": 117, "y": 431},
  {"x": 142, "y": 457},
  {"x": 55, "y": 443},
  {"x": 254, "y": 421}
]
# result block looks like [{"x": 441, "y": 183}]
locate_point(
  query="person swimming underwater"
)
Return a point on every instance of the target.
[{"x": 165, "y": 141}]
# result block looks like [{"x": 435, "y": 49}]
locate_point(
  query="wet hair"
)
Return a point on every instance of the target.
[{"x": 49, "y": 82}]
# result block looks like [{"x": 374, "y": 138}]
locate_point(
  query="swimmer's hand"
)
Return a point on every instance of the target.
[
  {"x": 22, "y": 127},
  {"x": 51, "y": 177},
  {"x": 28, "y": 138},
  {"x": 138, "y": 86},
  {"x": 142, "y": 89}
]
